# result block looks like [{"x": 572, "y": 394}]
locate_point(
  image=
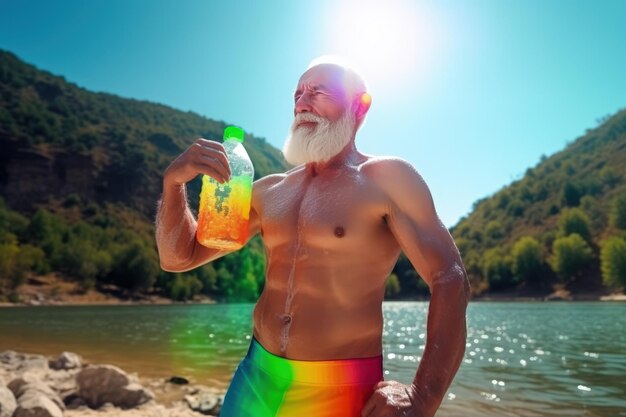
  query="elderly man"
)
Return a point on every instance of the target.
[{"x": 333, "y": 228}]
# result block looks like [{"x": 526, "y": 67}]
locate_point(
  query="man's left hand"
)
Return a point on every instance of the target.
[{"x": 391, "y": 399}]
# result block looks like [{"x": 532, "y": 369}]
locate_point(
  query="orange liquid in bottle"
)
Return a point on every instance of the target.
[{"x": 224, "y": 212}]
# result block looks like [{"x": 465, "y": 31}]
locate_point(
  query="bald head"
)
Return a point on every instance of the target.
[{"x": 341, "y": 79}]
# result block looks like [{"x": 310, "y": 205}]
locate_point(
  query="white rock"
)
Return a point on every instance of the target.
[
  {"x": 29, "y": 384},
  {"x": 67, "y": 360},
  {"x": 33, "y": 404},
  {"x": 7, "y": 402}
]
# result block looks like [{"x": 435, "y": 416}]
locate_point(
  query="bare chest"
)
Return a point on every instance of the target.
[{"x": 330, "y": 212}]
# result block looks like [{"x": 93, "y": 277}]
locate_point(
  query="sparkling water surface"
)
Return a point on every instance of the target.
[{"x": 521, "y": 358}]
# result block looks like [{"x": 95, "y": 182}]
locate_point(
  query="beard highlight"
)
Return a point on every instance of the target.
[{"x": 320, "y": 142}]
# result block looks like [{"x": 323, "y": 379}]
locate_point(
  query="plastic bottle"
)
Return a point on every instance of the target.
[{"x": 225, "y": 208}]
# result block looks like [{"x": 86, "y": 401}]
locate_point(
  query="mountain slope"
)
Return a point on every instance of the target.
[
  {"x": 58, "y": 139},
  {"x": 80, "y": 177},
  {"x": 580, "y": 183}
]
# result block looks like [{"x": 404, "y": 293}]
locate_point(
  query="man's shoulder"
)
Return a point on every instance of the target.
[
  {"x": 387, "y": 166},
  {"x": 274, "y": 179},
  {"x": 268, "y": 180},
  {"x": 395, "y": 175}
]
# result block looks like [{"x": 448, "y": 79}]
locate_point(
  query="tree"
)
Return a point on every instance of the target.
[
  {"x": 617, "y": 217},
  {"x": 528, "y": 265},
  {"x": 8, "y": 269},
  {"x": 609, "y": 176},
  {"x": 410, "y": 281},
  {"x": 497, "y": 270},
  {"x": 570, "y": 256},
  {"x": 15, "y": 262},
  {"x": 47, "y": 231},
  {"x": 184, "y": 286},
  {"x": 613, "y": 262},
  {"x": 570, "y": 194},
  {"x": 392, "y": 286},
  {"x": 135, "y": 266},
  {"x": 494, "y": 230},
  {"x": 574, "y": 220}
]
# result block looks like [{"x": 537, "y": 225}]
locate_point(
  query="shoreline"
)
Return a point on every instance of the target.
[
  {"x": 204, "y": 301},
  {"x": 53, "y": 290}
]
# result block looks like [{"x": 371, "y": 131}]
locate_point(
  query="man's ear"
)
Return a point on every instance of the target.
[{"x": 362, "y": 104}]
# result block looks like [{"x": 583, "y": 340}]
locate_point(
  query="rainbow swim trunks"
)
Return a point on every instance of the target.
[{"x": 266, "y": 385}]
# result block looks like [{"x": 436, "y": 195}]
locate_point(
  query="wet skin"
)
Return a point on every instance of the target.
[
  {"x": 332, "y": 233},
  {"x": 322, "y": 296}
]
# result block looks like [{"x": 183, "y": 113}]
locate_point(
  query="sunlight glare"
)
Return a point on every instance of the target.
[{"x": 390, "y": 43}]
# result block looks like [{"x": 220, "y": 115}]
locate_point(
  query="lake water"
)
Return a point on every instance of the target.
[{"x": 521, "y": 359}]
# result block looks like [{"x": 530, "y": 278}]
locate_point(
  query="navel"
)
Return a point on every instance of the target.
[{"x": 339, "y": 231}]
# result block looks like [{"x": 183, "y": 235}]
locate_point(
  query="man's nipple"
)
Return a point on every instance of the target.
[{"x": 340, "y": 231}]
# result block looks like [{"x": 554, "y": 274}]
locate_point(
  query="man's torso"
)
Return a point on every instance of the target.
[{"x": 329, "y": 253}]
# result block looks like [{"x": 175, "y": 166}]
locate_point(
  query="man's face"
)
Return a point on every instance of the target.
[
  {"x": 324, "y": 123},
  {"x": 320, "y": 91}
]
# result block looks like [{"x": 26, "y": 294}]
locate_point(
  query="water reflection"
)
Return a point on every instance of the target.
[{"x": 521, "y": 359}]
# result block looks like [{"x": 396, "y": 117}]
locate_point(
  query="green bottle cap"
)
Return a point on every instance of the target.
[{"x": 233, "y": 132}]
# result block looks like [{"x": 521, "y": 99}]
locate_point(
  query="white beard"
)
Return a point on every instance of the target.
[{"x": 319, "y": 143}]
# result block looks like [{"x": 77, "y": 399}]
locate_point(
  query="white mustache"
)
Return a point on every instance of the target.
[{"x": 307, "y": 117}]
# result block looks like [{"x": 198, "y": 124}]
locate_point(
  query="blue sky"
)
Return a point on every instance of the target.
[{"x": 470, "y": 92}]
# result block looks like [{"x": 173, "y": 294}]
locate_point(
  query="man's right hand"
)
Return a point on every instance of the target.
[{"x": 202, "y": 157}]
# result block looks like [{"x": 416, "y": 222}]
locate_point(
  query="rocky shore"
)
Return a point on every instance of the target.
[
  {"x": 38, "y": 386},
  {"x": 52, "y": 289}
]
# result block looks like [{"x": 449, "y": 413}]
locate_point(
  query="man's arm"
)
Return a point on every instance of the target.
[
  {"x": 175, "y": 226},
  {"x": 412, "y": 218}
]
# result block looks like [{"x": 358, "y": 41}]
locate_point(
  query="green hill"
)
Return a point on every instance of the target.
[
  {"x": 520, "y": 239},
  {"x": 58, "y": 139},
  {"x": 80, "y": 176}
]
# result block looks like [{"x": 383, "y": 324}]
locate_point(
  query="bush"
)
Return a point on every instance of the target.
[
  {"x": 8, "y": 266},
  {"x": 184, "y": 287},
  {"x": 392, "y": 286},
  {"x": 207, "y": 275},
  {"x": 15, "y": 262},
  {"x": 239, "y": 275},
  {"x": 497, "y": 270},
  {"x": 570, "y": 195},
  {"x": 617, "y": 216},
  {"x": 33, "y": 259},
  {"x": 410, "y": 281},
  {"x": 570, "y": 256},
  {"x": 47, "y": 231},
  {"x": 11, "y": 221},
  {"x": 135, "y": 266},
  {"x": 527, "y": 262},
  {"x": 613, "y": 262},
  {"x": 575, "y": 220},
  {"x": 494, "y": 230},
  {"x": 81, "y": 259}
]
